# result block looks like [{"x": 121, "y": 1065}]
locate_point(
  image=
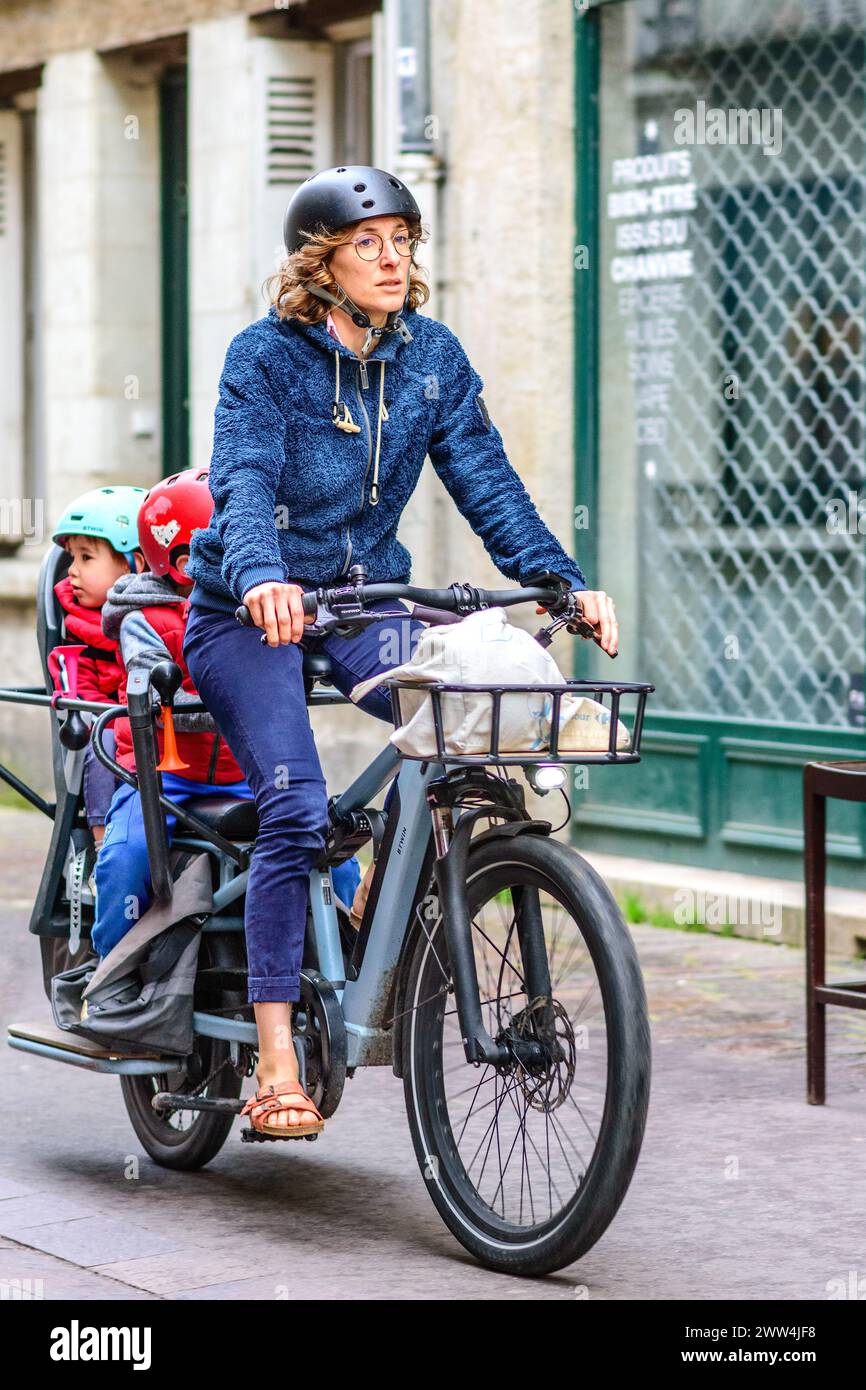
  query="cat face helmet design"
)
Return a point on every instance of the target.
[{"x": 171, "y": 511}]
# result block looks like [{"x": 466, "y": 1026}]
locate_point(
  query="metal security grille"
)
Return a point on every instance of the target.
[{"x": 753, "y": 507}]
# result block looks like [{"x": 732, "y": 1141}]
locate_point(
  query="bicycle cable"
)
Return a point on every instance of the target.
[{"x": 564, "y": 823}]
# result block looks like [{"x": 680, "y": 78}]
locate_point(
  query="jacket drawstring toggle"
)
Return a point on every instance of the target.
[
  {"x": 340, "y": 412},
  {"x": 342, "y": 418}
]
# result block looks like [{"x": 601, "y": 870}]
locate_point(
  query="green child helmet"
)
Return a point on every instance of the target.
[{"x": 110, "y": 513}]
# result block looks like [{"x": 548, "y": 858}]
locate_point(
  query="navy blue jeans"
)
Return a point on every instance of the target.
[{"x": 256, "y": 695}]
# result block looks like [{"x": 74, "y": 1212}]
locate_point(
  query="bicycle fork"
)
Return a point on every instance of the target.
[{"x": 450, "y": 867}]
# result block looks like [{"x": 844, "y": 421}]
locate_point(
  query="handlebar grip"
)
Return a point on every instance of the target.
[{"x": 309, "y": 602}]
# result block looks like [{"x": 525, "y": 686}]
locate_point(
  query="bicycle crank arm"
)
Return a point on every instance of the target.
[{"x": 174, "y": 1100}]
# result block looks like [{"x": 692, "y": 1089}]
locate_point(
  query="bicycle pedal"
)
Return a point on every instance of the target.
[{"x": 254, "y": 1136}]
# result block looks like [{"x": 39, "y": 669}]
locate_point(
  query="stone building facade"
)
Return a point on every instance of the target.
[{"x": 146, "y": 166}]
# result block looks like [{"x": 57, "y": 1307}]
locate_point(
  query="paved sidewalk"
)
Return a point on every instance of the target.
[
  {"x": 757, "y": 907},
  {"x": 743, "y": 1191}
]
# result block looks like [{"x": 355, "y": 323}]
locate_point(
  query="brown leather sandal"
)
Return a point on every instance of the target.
[{"x": 272, "y": 1098}]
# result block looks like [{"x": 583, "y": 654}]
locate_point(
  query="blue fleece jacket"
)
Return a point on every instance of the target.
[{"x": 298, "y": 500}]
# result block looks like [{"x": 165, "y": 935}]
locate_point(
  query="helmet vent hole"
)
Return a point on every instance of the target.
[
  {"x": 394, "y": 183},
  {"x": 342, "y": 171},
  {"x": 360, "y": 187},
  {"x": 368, "y": 203}
]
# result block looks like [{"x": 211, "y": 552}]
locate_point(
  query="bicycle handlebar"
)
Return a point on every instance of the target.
[
  {"x": 445, "y": 599},
  {"x": 344, "y": 604}
]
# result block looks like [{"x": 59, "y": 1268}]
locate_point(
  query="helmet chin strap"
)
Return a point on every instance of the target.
[{"x": 393, "y": 323}]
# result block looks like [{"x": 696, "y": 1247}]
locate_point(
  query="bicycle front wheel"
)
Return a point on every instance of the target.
[{"x": 528, "y": 1163}]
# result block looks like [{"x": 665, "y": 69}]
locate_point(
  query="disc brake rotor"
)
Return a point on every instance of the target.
[{"x": 546, "y": 1080}]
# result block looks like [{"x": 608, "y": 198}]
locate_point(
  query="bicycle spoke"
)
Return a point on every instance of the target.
[
  {"x": 515, "y": 994},
  {"x": 555, "y": 1128},
  {"x": 573, "y": 1102},
  {"x": 486, "y": 938},
  {"x": 550, "y": 1182},
  {"x": 497, "y": 1101},
  {"x": 494, "y": 1130},
  {"x": 520, "y": 1130}
]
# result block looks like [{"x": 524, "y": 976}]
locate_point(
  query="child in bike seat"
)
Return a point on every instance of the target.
[
  {"x": 146, "y": 615},
  {"x": 100, "y": 532}
]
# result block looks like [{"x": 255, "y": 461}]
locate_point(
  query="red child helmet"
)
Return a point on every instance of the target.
[{"x": 170, "y": 512}]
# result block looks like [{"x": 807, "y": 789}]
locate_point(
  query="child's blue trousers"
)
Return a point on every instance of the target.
[{"x": 123, "y": 887}]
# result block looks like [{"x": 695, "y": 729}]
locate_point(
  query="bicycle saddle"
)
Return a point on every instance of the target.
[{"x": 231, "y": 816}]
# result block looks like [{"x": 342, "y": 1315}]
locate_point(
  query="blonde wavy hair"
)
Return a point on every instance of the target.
[{"x": 285, "y": 288}]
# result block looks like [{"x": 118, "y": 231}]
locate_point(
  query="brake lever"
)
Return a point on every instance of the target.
[{"x": 573, "y": 621}]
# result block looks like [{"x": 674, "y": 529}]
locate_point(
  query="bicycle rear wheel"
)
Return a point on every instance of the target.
[
  {"x": 528, "y": 1165},
  {"x": 188, "y": 1139}
]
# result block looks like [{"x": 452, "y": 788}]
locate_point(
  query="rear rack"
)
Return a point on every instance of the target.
[{"x": 607, "y": 693}]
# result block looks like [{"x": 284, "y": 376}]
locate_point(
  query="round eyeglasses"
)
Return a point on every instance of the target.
[{"x": 369, "y": 245}]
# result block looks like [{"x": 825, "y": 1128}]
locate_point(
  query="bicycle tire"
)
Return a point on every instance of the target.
[{"x": 554, "y": 869}]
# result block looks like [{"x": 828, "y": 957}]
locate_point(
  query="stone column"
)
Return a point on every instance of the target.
[
  {"x": 98, "y": 141},
  {"x": 503, "y": 93},
  {"x": 220, "y": 228}
]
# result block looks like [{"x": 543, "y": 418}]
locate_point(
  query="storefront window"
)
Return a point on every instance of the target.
[{"x": 731, "y": 388}]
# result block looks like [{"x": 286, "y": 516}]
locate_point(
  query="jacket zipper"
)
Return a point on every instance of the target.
[
  {"x": 362, "y": 375},
  {"x": 363, "y": 372}
]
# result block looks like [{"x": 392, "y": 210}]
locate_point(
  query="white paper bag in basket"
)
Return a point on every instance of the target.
[{"x": 485, "y": 649}]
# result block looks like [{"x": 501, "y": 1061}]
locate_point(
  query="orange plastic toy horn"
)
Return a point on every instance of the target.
[
  {"x": 171, "y": 759},
  {"x": 165, "y": 679}
]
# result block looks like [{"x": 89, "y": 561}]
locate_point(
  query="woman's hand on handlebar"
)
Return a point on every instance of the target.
[
  {"x": 277, "y": 609},
  {"x": 600, "y": 612}
]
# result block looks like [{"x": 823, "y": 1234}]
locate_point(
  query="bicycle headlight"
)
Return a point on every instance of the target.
[{"x": 545, "y": 777}]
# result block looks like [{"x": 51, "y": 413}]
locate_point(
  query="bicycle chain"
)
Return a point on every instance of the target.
[
  {"x": 209, "y": 1079},
  {"x": 227, "y": 1061}
]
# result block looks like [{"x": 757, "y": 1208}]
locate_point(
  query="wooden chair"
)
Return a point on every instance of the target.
[{"x": 845, "y": 781}]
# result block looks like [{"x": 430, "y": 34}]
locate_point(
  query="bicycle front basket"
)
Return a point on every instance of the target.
[{"x": 568, "y": 722}]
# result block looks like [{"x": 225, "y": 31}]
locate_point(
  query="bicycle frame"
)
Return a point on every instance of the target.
[
  {"x": 420, "y": 814},
  {"x": 420, "y": 843},
  {"x": 363, "y": 999}
]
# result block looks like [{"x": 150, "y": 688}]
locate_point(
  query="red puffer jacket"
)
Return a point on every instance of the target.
[
  {"x": 100, "y": 669},
  {"x": 209, "y": 756}
]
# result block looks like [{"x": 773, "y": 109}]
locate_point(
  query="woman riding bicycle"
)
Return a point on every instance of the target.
[{"x": 302, "y": 491}]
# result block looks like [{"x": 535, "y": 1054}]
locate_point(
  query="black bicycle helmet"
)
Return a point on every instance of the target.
[{"x": 335, "y": 197}]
